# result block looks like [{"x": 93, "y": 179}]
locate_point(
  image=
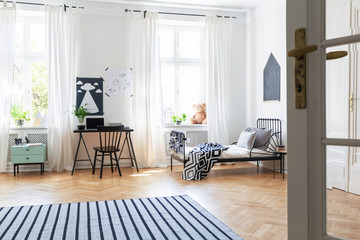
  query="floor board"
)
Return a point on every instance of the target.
[{"x": 244, "y": 197}]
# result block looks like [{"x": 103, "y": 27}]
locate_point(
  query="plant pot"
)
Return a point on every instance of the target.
[
  {"x": 178, "y": 122},
  {"x": 81, "y": 126},
  {"x": 20, "y": 122}
]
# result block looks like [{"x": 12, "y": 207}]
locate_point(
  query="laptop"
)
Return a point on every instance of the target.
[{"x": 92, "y": 123}]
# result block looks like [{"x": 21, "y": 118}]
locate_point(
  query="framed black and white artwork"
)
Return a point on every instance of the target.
[
  {"x": 89, "y": 92},
  {"x": 272, "y": 80}
]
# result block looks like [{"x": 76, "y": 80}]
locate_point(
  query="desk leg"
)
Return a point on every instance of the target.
[
  {"x": 133, "y": 152},
  {"x": 130, "y": 153},
  {"x": 76, "y": 154},
  {"x": 87, "y": 151},
  {"x": 122, "y": 148}
]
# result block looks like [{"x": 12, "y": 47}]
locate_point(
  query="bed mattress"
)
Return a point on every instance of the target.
[{"x": 233, "y": 151}]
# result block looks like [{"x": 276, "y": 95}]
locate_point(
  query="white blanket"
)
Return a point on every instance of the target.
[{"x": 233, "y": 151}]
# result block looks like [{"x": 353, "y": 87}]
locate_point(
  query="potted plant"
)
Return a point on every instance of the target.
[
  {"x": 19, "y": 115},
  {"x": 80, "y": 113},
  {"x": 178, "y": 119}
]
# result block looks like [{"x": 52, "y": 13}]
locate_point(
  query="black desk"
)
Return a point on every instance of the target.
[{"x": 127, "y": 141}]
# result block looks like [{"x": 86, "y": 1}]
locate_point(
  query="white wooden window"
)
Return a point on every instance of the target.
[
  {"x": 30, "y": 85},
  {"x": 182, "y": 52}
]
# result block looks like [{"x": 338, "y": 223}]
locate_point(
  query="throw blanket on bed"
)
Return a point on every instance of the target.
[{"x": 201, "y": 159}]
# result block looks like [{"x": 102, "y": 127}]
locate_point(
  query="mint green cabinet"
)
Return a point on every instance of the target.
[{"x": 28, "y": 154}]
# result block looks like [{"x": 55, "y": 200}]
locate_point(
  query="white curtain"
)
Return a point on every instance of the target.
[
  {"x": 147, "y": 101},
  {"x": 7, "y": 48},
  {"x": 60, "y": 39},
  {"x": 218, "y": 44}
]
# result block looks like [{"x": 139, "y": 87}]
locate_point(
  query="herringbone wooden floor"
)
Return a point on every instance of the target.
[
  {"x": 245, "y": 198},
  {"x": 343, "y": 214}
]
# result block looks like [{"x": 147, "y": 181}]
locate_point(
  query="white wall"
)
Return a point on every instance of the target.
[
  {"x": 104, "y": 42},
  {"x": 266, "y": 34},
  {"x": 236, "y": 120}
]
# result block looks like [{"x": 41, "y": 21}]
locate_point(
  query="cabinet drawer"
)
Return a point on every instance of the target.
[
  {"x": 28, "y": 150},
  {"x": 39, "y": 158}
]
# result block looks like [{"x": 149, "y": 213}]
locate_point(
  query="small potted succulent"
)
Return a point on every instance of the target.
[
  {"x": 19, "y": 115},
  {"x": 80, "y": 113},
  {"x": 178, "y": 119}
]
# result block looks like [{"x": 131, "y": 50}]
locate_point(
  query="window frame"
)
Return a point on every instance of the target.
[
  {"x": 177, "y": 62},
  {"x": 27, "y": 57}
]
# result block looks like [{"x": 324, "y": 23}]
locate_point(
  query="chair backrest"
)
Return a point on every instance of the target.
[{"x": 110, "y": 136}]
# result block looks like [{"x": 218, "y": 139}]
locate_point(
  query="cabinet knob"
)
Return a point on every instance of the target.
[
  {"x": 27, "y": 149},
  {"x": 27, "y": 158}
]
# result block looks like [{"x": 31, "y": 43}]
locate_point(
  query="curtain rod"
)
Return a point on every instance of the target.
[
  {"x": 180, "y": 14},
  {"x": 38, "y": 4}
]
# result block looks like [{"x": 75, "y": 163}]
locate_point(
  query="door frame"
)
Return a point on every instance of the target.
[{"x": 297, "y": 138}]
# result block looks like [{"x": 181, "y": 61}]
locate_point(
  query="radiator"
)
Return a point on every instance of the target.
[{"x": 196, "y": 134}]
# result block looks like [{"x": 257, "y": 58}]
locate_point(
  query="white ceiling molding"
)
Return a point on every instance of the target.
[{"x": 211, "y": 5}]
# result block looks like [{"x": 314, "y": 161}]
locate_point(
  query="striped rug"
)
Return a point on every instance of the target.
[{"x": 176, "y": 217}]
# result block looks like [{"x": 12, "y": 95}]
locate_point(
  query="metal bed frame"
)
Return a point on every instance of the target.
[{"x": 178, "y": 140}]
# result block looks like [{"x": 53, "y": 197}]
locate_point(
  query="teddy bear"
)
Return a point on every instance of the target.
[{"x": 200, "y": 114}]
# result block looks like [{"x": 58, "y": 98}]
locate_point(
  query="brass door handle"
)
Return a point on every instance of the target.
[
  {"x": 351, "y": 100},
  {"x": 336, "y": 55}
]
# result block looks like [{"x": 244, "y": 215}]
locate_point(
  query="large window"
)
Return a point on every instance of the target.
[
  {"x": 30, "y": 86},
  {"x": 182, "y": 47}
]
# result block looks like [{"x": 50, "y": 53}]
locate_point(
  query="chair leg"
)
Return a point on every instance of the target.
[
  {"x": 117, "y": 163},
  {"x": 111, "y": 163},
  {"x": 102, "y": 164},
  {"x": 171, "y": 163},
  {"x": 94, "y": 165}
]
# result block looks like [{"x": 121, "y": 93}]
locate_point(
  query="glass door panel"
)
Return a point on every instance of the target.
[
  {"x": 342, "y": 117},
  {"x": 342, "y": 18},
  {"x": 342, "y": 207},
  {"x": 337, "y": 95}
]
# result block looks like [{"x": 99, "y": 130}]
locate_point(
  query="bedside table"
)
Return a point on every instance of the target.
[
  {"x": 282, "y": 154},
  {"x": 28, "y": 154}
]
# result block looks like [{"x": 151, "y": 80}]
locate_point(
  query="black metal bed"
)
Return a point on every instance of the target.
[{"x": 269, "y": 150}]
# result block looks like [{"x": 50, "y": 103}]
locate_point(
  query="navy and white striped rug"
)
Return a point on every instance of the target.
[{"x": 177, "y": 217}]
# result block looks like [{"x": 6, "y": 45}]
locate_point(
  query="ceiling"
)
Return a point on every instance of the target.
[
  {"x": 232, "y": 4},
  {"x": 214, "y": 3}
]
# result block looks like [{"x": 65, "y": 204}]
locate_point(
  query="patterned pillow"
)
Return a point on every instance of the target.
[{"x": 246, "y": 139}]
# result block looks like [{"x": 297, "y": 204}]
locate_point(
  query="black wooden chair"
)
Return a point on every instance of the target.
[{"x": 110, "y": 137}]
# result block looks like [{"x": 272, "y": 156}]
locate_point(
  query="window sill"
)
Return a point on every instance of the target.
[
  {"x": 186, "y": 126},
  {"x": 27, "y": 128}
]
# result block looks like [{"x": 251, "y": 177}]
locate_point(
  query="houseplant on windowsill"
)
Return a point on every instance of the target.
[
  {"x": 178, "y": 119},
  {"x": 80, "y": 113},
  {"x": 19, "y": 115}
]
